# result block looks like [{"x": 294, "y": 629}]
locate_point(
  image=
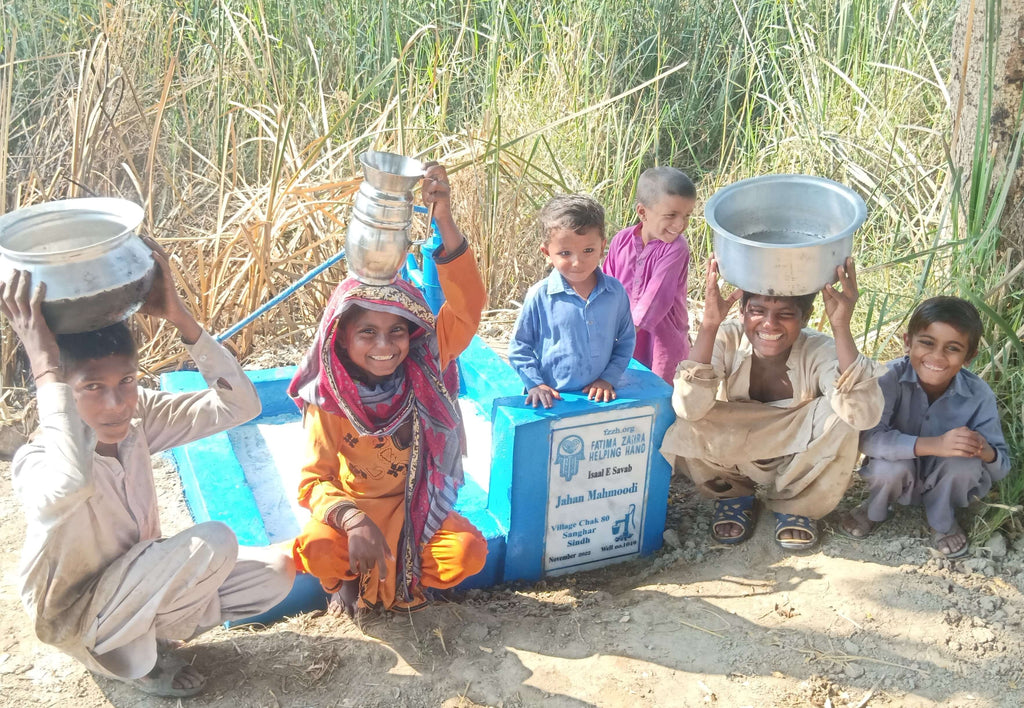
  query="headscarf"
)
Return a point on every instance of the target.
[{"x": 418, "y": 391}]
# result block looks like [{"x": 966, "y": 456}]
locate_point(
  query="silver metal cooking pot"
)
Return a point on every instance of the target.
[
  {"x": 96, "y": 269},
  {"x": 783, "y": 234}
]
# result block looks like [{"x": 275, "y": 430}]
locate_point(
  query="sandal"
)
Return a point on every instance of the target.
[
  {"x": 939, "y": 538},
  {"x": 160, "y": 681},
  {"x": 741, "y": 511},
  {"x": 857, "y": 518},
  {"x": 793, "y": 522}
]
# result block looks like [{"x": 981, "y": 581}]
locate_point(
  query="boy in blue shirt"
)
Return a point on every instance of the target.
[
  {"x": 939, "y": 441},
  {"x": 574, "y": 331}
]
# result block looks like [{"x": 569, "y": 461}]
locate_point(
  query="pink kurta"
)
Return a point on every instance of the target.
[{"x": 655, "y": 277}]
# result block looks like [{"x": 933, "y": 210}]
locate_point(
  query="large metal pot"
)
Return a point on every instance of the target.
[
  {"x": 96, "y": 270},
  {"x": 783, "y": 234},
  {"x": 378, "y": 233}
]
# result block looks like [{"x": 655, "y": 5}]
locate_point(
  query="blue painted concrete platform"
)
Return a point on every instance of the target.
[{"x": 569, "y": 488}]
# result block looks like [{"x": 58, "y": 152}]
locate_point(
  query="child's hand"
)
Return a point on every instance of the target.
[
  {"x": 716, "y": 307},
  {"x": 164, "y": 301},
  {"x": 437, "y": 191},
  {"x": 543, "y": 394},
  {"x": 600, "y": 390},
  {"x": 25, "y": 313},
  {"x": 839, "y": 304},
  {"x": 958, "y": 442},
  {"x": 367, "y": 547}
]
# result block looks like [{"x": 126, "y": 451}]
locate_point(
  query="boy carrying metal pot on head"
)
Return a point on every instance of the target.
[
  {"x": 763, "y": 401},
  {"x": 99, "y": 580}
]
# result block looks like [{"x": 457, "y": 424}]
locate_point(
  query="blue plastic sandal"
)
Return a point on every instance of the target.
[
  {"x": 792, "y": 522},
  {"x": 741, "y": 511}
]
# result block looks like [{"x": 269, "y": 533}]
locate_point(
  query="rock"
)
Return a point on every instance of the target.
[
  {"x": 983, "y": 635},
  {"x": 623, "y": 619},
  {"x": 996, "y": 546},
  {"x": 671, "y": 538},
  {"x": 854, "y": 671},
  {"x": 850, "y": 647},
  {"x": 979, "y": 565}
]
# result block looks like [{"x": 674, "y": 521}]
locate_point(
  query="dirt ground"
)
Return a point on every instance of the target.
[{"x": 879, "y": 622}]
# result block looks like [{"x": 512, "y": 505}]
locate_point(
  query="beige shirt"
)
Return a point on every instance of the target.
[
  {"x": 85, "y": 511},
  {"x": 813, "y": 371}
]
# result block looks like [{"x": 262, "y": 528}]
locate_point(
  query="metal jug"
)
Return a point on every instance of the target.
[
  {"x": 97, "y": 271},
  {"x": 378, "y": 232}
]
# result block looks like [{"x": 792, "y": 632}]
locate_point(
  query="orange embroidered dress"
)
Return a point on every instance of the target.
[{"x": 353, "y": 458}]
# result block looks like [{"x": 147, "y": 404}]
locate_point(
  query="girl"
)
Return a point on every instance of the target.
[{"x": 379, "y": 393}]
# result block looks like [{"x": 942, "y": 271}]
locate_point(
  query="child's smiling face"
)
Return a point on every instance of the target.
[
  {"x": 575, "y": 256},
  {"x": 937, "y": 353},
  {"x": 667, "y": 219},
  {"x": 772, "y": 324},
  {"x": 376, "y": 343}
]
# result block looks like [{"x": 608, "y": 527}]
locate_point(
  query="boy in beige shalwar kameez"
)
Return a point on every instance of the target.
[
  {"x": 763, "y": 401},
  {"x": 97, "y": 577}
]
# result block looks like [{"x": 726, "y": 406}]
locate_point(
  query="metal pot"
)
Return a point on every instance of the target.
[
  {"x": 378, "y": 233},
  {"x": 783, "y": 234},
  {"x": 97, "y": 271}
]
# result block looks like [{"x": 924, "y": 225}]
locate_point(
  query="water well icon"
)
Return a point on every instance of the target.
[{"x": 569, "y": 454}]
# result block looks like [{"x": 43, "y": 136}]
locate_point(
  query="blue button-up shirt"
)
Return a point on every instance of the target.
[
  {"x": 908, "y": 415},
  {"x": 567, "y": 342}
]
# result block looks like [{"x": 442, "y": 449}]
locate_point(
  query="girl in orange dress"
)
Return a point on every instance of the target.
[{"x": 379, "y": 394}]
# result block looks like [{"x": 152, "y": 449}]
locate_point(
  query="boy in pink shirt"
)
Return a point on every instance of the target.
[{"x": 652, "y": 260}]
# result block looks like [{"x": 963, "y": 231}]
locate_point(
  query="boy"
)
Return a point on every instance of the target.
[
  {"x": 652, "y": 260},
  {"x": 574, "y": 331},
  {"x": 765, "y": 401},
  {"x": 97, "y": 578},
  {"x": 939, "y": 441}
]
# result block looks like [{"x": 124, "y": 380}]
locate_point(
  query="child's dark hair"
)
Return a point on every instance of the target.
[
  {"x": 954, "y": 311},
  {"x": 112, "y": 340},
  {"x": 658, "y": 182},
  {"x": 805, "y": 303},
  {"x": 576, "y": 212}
]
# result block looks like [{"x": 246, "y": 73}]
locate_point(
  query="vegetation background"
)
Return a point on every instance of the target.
[{"x": 237, "y": 126}]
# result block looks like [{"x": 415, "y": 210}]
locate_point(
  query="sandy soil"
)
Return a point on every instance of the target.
[{"x": 880, "y": 622}]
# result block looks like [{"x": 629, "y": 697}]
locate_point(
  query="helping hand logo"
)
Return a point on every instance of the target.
[{"x": 570, "y": 452}]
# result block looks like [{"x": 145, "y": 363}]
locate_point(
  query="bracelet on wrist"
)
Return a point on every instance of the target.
[{"x": 44, "y": 372}]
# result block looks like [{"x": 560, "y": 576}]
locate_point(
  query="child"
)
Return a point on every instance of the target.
[
  {"x": 99, "y": 581},
  {"x": 765, "y": 401},
  {"x": 384, "y": 459},
  {"x": 574, "y": 331},
  {"x": 939, "y": 442},
  {"x": 652, "y": 260}
]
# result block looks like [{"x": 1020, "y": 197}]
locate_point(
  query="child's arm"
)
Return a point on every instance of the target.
[
  {"x": 981, "y": 437},
  {"x": 328, "y": 503},
  {"x": 603, "y": 388},
  {"x": 696, "y": 384},
  {"x": 460, "y": 280},
  {"x": 523, "y": 355},
  {"x": 53, "y": 475},
  {"x": 885, "y": 441},
  {"x": 171, "y": 419},
  {"x": 839, "y": 306}
]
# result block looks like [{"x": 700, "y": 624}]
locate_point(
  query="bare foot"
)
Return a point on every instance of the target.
[
  {"x": 952, "y": 544},
  {"x": 856, "y": 523},
  {"x": 344, "y": 600}
]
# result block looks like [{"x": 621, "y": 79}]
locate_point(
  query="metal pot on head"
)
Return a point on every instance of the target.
[
  {"x": 96, "y": 269},
  {"x": 378, "y": 233},
  {"x": 783, "y": 234}
]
